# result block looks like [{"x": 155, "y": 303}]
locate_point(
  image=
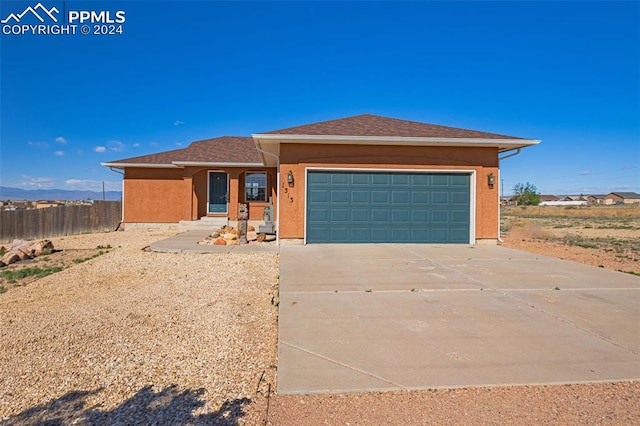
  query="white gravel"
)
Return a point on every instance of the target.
[{"x": 139, "y": 337}]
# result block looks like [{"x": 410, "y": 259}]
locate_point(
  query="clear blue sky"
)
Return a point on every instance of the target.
[{"x": 564, "y": 72}]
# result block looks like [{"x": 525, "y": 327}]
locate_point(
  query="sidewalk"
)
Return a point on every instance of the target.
[{"x": 187, "y": 242}]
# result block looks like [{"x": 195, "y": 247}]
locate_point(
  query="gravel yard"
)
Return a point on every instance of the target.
[{"x": 135, "y": 337}]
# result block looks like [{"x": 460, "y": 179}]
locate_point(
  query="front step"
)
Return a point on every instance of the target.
[{"x": 206, "y": 222}]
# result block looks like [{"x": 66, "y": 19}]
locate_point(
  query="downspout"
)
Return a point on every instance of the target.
[
  {"x": 122, "y": 208},
  {"x": 277, "y": 189},
  {"x": 513, "y": 154}
]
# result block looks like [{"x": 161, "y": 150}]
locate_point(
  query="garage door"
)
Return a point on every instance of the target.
[{"x": 382, "y": 207}]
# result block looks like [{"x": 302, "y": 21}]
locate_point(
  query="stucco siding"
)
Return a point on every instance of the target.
[{"x": 154, "y": 195}]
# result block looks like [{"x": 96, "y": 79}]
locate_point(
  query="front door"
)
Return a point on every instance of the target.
[{"x": 218, "y": 192}]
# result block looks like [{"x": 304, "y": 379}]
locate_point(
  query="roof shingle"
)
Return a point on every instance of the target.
[
  {"x": 375, "y": 125},
  {"x": 225, "y": 149}
]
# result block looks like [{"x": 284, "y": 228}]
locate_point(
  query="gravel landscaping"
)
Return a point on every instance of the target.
[{"x": 136, "y": 337}]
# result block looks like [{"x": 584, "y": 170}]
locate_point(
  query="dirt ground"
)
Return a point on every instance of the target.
[
  {"x": 603, "y": 236},
  {"x": 123, "y": 336}
]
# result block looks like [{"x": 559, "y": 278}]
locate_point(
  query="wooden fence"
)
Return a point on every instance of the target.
[{"x": 101, "y": 216}]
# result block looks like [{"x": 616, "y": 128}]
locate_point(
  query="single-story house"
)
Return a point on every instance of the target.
[
  {"x": 359, "y": 179},
  {"x": 596, "y": 199},
  {"x": 622, "y": 198},
  {"x": 548, "y": 197}
]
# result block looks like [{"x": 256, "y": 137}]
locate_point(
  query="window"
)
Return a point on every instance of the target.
[{"x": 255, "y": 185}]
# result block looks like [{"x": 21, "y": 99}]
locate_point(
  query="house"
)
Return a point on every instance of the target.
[
  {"x": 622, "y": 198},
  {"x": 546, "y": 197},
  {"x": 43, "y": 204},
  {"x": 596, "y": 199},
  {"x": 359, "y": 179}
]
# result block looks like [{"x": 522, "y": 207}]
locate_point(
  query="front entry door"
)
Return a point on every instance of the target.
[{"x": 218, "y": 192}]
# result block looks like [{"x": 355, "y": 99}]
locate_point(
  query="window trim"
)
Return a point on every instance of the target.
[{"x": 266, "y": 186}]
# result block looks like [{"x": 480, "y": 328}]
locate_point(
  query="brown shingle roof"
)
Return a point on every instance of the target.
[
  {"x": 226, "y": 149},
  {"x": 375, "y": 125}
]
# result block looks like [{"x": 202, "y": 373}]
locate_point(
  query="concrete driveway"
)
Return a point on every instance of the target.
[{"x": 397, "y": 316}]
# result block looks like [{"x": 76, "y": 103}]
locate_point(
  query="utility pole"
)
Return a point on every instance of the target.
[
  {"x": 103, "y": 196},
  {"x": 502, "y": 189}
]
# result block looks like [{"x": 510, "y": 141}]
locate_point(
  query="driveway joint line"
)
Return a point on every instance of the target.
[
  {"x": 333, "y": 361},
  {"x": 483, "y": 285},
  {"x": 571, "y": 323}
]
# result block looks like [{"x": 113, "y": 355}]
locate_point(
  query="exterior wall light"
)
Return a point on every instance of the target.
[
  {"x": 491, "y": 180},
  {"x": 290, "y": 179}
]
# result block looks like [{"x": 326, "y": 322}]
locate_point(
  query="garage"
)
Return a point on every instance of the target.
[{"x": 349, "y": 206}]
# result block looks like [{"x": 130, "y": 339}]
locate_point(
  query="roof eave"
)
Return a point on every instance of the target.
[
  {"x": 215, "y": 164},
  {"x": 144, "y": 165},
  {"x": 503, "y": 144}
]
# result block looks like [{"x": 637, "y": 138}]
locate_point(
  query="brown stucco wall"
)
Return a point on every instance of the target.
[
  {"x": 296, "y": 157},
  {"x": 154, "y": 195},
  {"x": 171, "y": 195}
]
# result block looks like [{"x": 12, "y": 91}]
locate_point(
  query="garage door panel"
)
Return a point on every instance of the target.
[
  {"x": 338, "y": 178},
  {"x": 440, "y": 180},
  {"x": 459, "y": 180},
  {"x": 381, "y": 179},
  {"x": 339, "y": 233},
  {"x": 387, "y": 207},
  {"x": 400, "y": 234},
  {"x": 360, "y": 179},
  {"x": 419, "y": 198},
  {"x": 422, "y": 180},
  {"x": 380, "y": 216},
  {"x": 361, "y": 197},
  {"x": 440, "y": 216},
  {"x": 319, "y": 215},
  {"x": 360, "y": 215},
  {"x": 400, "y": 197},
  {"x": 319, "y": 195},
  {"x": 459, "y": 198},
  {"x": 380, "y": 196},
  {"x": 459, "y": 217},
  {"x": 401, "y": 217},
  {"x": 420, "y": 216},
  {"x": 440, "y": 198},
  {"x": 400, "y": 179},
  {"x": 339, "y": 215}
]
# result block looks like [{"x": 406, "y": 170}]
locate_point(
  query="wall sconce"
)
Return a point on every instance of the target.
[
  {"x": 491, "y": 180},
  {"x": 290, "y": 178}
]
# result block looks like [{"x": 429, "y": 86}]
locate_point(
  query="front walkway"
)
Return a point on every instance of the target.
[
  {"x": 405, "y": 316},
  {"x": 187, "y": 242}
]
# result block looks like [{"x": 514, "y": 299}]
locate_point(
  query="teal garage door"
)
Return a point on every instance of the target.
[{"x": 387, "y": 207}]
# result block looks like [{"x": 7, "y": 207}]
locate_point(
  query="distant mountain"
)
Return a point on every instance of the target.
[{"x": 8, "y": 193}]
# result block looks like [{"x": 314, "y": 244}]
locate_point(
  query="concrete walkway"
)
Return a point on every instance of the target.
[
  {"x": 187, "y": 242},
  {"x": 382, "y": 317}
]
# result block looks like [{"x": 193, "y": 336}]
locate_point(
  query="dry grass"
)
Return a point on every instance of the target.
[
  {"x": 590, "y": 211},
  {"x": 604, "y": 236}
]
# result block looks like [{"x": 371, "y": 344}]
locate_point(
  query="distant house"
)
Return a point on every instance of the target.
[
  {"x": 574, "y": 198},
  {"x": 43, "y": 204},
  {"x": 20, "y": 205},
  {"x": 622, "y": 198},
  {"x": 544, "y": 197},
  {"x": 596, "y": 199}
]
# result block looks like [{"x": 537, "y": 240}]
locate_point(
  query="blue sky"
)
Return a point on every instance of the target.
[{"x": 567, "y": 73}]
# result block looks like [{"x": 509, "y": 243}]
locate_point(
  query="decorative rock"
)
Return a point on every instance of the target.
[
  {"x": 220, "y": 242},
  {"x": 41, "y": 246},
  {"x": 10, "y": 257}
]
